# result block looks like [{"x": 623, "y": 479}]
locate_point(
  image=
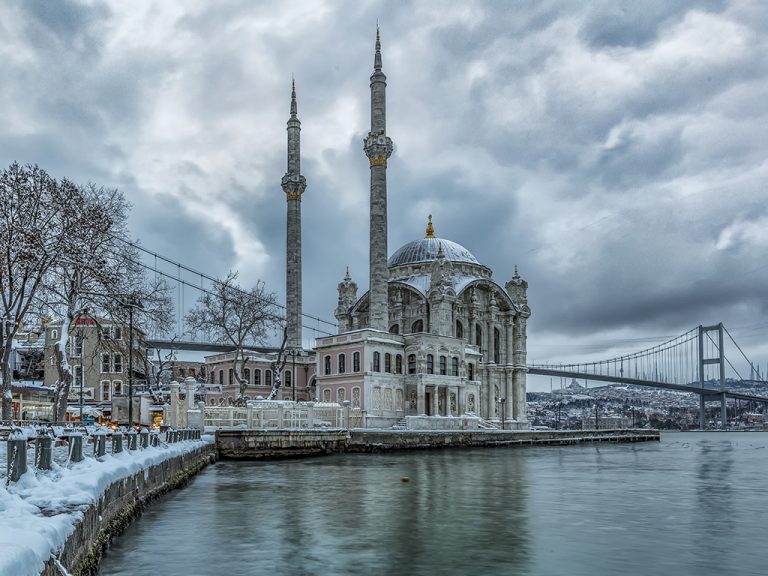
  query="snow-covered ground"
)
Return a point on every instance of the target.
[{"x": 39, "y": 512}]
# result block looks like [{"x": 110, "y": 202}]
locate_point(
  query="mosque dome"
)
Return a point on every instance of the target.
[{"x": 426, "y": 249}]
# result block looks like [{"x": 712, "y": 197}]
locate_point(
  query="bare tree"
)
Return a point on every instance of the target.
[
  {"x": 36, "y": 215},
  {"x": 236, "y": 316}
]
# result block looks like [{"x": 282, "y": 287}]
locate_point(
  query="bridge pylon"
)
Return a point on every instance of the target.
[{"x": 719, "y": 359}]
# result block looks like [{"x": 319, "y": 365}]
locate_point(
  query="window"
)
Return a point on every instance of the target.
[
  {"x": 411, "y": 363},
  {"x": 76, "y": 345},
  {"x": 471, "y": 371},
  {"x": 356, "y": 362},
  {"x": 418, "y": 326},
  {"x": 356, "y": 397},
  {"x": 54, "y": 334},
  {"x": 247, "y": 376},
  {"x": 342, "y": 359},
  {"x": 104, "y": 363},
  {"x": 341, "y": 394},
  {"x": 268, "y": 377},
  {"x": 394, "y": 329},
  {"x": 327, "y": 395},
  {"x": 230, "y": 376},
  {"x": 287, "y": 378},
  {"x": 117, "y": 387},
  {"x": 454, "y": 366},
  {"x": 327, "y": 362},
  {"x": 478, "y": 335},
  {"x": 387, "y": 362},
  {"x": 376, "y": 362},
  {"x": 117, "y": 363},
  {"x": 257, "y": 377},
  {"x": 496, "y": 345},
  {"x": 459, "y": 329},
  {"x": 399, "y": 364},
  {"x": 221, "y": 377},
  {"x": 106, "y": 386},
  {"x": 117, "y": 333},
  {"x": 443, "y": 366},
  {"x": 430, "y": 364}
]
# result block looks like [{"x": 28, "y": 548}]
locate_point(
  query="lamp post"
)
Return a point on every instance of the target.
[
  {"x": 131, "y": 303},
  {"x": 503, "y": 402}
]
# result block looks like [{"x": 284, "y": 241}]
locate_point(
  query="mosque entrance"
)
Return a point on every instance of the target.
[{"x": 428, "y": 403}]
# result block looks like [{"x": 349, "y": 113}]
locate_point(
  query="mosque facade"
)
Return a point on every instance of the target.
[{"x": 435, "y": 334}]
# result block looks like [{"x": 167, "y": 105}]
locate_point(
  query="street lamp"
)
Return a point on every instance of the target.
[
  {"x": 131, "y": 303},
  {"x": 503, "y": 402}
]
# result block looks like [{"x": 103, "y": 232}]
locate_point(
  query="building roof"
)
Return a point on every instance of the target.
[{"x": 425, "y": 250}]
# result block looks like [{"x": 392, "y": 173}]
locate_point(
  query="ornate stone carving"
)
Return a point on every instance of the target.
[{"x": 378, "y": 148}]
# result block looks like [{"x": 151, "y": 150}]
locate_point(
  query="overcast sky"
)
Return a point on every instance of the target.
[{"x": 615, "y": 151}]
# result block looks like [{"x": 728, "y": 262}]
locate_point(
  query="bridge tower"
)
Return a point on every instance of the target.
[
  {"x": 719, "y": 359},
  {"x": 293, "y": 184}
]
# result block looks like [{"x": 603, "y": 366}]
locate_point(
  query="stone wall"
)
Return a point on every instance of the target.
[
  {"x": 262, "y": 444},
  {"x": 270, "y": 444},
  {"x": 119, "y": 504}
]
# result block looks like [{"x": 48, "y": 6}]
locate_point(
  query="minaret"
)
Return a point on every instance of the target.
[
  {"x": 378, "y": 148},
  {"x": 293, "y": 185}
]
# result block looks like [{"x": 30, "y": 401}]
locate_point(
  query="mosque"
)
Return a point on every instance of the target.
[{"x": 435, "y": 335}]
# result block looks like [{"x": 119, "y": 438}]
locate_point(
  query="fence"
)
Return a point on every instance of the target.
[
  {"x": 44, "y": 448},
  {"x": 284, "y": 414}
]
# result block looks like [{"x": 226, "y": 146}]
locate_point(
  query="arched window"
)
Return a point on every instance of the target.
[
  {"x": 356, "y": 397},
  {"x": 257, "y": 377},
  {"x": 496, "y": 345},
  {"x": 327, "y": 395},
  {"x": 454, "y": 366},
  {"x": 430, "y": 364},
  {"x": 342, "y": 363},
  {"x": 247, "y": 376},
  {"x": 221, "y": 377},
  {"x": 387, "y": 362},
  {"x": 478, "y": 336},
  {"x": 341, "y": 394},
  {"x": 394, "y": 329},
  {"x": 443, "y": 366},
  {"x": 399, "y": 364},
  {"x": 471, "y": 371},
  {"x": 327, "y": 365},
  {"x": 356, "y": 362},
  {"x": 268, "y": 377},
  {"x": 459, "y": 329},
  {"x": 230, "y": 376},
  {"x": 418, "y": 326},
  {"x": 411, "y": 363},
  {"x": 287, "y": 376},
  {"x": 376, "y": 362}
]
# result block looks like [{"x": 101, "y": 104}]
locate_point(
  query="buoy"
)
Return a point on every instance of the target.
[{"x": 404, "y": 479}]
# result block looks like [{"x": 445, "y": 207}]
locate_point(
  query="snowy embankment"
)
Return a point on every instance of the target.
[{"x": 40, "y": 511}]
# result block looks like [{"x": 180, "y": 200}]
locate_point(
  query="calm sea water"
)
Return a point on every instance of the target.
[{"x": 694, "y": 503}]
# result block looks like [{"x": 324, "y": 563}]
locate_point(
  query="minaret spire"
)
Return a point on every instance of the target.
[
  {"x": 378, "y": 148},
  {"x": 293, "y": 184}
]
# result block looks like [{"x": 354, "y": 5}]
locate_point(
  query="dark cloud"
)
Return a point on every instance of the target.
[{"x": 613, "y": 150}]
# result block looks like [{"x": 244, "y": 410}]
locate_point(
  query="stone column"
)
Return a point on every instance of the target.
[
  {"x": 448, "y": 401},
  {"x": 173, "y": 420},
  {"x": 435, "y": 403},
  {"x": 420, "y": 398}
]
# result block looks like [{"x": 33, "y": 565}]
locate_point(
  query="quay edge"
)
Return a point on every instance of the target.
[{"x": 259, "y": 444}]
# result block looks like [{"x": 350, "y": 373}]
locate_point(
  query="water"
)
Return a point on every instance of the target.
[{"x": 694, "y": 503}]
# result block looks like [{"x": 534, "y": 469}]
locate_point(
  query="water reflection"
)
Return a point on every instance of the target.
[{"x": 690, "y": 504}]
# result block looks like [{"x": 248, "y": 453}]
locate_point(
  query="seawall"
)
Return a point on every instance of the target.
[
  {"x": 119, "y": 504},
  {"x": 244, "y": 444}
]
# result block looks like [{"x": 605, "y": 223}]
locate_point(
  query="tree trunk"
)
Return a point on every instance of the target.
[
  {"x": 7, "y": 410},
  {"x": 64, "y": 381}
]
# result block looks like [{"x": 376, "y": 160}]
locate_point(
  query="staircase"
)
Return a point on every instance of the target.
[{"x": 400, "y": 425}]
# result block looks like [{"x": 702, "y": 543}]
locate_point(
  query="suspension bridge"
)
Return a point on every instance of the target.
[{"x": 693, "y": 362}]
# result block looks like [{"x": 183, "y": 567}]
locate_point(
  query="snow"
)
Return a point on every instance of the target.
[{"x": 40, "y": 511}]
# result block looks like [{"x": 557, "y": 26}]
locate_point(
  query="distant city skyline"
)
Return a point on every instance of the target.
[{"x": 613, "y": 150}]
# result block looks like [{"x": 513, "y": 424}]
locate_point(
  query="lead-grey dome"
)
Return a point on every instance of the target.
[{"x": 425, "y": 250}]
